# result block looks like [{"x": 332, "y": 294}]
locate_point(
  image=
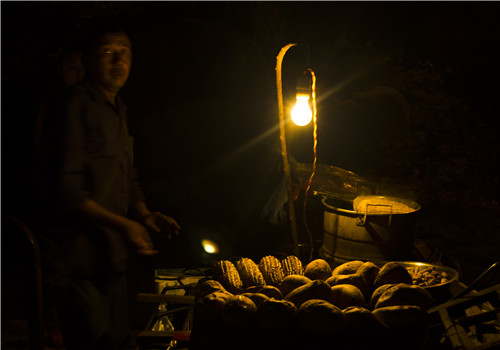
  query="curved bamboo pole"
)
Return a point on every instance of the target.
[{"x": 286, "y": 165}]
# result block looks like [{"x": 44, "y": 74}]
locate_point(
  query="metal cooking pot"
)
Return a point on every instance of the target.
[{"x": 377, "y": 235}]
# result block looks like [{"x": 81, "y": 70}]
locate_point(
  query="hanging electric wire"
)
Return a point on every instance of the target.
[{"x": 313, "y": 172}]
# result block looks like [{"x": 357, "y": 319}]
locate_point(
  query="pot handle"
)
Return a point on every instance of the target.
[{"x": 361, "y": 219}]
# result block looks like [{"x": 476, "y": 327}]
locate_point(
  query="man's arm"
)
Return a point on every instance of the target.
[
  {"x": 92, "y": 211},
  {"x": 157, "y": 221}
]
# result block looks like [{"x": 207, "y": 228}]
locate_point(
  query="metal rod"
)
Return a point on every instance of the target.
[
  {"x": 489, "y": 270},
  {"x": 286, "y": 165}
]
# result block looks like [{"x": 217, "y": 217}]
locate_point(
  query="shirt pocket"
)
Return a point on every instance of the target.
[{"x": 101, "y": 144}]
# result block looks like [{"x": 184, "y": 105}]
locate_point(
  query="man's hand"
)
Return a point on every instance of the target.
[
  {"x": 136, "y": 233},
  {"x": 139, "y": 236},
  {"x": 159, "y": 222}
]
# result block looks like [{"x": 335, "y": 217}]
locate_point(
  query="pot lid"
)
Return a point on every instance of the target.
[{"x": 383, "y": 205}]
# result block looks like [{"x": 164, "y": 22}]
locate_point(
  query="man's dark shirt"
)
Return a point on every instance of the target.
[{"x": 97, "y": 164}]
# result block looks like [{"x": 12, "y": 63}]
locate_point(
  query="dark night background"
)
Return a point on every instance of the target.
[
  {"x": 203, "y": 108},
  {"x": 407, "y": 97}
]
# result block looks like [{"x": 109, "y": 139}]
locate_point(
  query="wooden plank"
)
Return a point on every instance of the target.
[
  {"x": 470, "y": 300},
  {"x": 165, "y": 298},
  {"x": 455, "y": 332}
]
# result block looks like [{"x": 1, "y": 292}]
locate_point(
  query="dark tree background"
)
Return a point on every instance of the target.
[{"x": 203, "y": 110}]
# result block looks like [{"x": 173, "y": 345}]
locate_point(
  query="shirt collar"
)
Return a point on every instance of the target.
[{"x": 99, "y": 96}]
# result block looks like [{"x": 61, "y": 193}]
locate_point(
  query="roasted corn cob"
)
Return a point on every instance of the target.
[
  {"x": 249, "y": 273},
  {"x": 292, "y": 266},
  {"x": 271, "y": 270},
  {"x": 226, "y": 273}
]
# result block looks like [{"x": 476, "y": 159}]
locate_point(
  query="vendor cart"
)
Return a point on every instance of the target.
[
  {"x": 171, "y": 324},
  {"x": 467, "y": 320}
]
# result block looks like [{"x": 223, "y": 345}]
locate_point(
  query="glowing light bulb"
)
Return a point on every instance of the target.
[
  {"x": 301, "y": 113},
  {"x": 209, "y": 246}
]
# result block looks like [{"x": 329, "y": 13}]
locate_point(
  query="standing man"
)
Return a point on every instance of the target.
[
  {"x": 70, "y": 66},
  {"x": 98, "y": 187}
]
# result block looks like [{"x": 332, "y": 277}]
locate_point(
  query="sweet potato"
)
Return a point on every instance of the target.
[
  {"x": 291, "y": 282},
  {"x": 392, "y": 272},
  {"x": 316, "y": 289},
  {"x": 345, "y": 295},
  {"x": 319, "y": 317},
  {"x": 318, "y": 269},
  {"x": 347, "y": 268}
]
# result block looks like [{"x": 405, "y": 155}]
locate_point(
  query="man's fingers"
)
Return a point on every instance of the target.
[
  {"x": 154, "y": 227},
  {"x": 147, "y": 251},
  {"x": 175, "y": 224},
  {"x": 159, "y": 222}
]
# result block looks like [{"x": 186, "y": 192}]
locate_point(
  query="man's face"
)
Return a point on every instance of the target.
[
  {"x": 113, "y": 58},
  {"x": 72, "y": 69}
]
